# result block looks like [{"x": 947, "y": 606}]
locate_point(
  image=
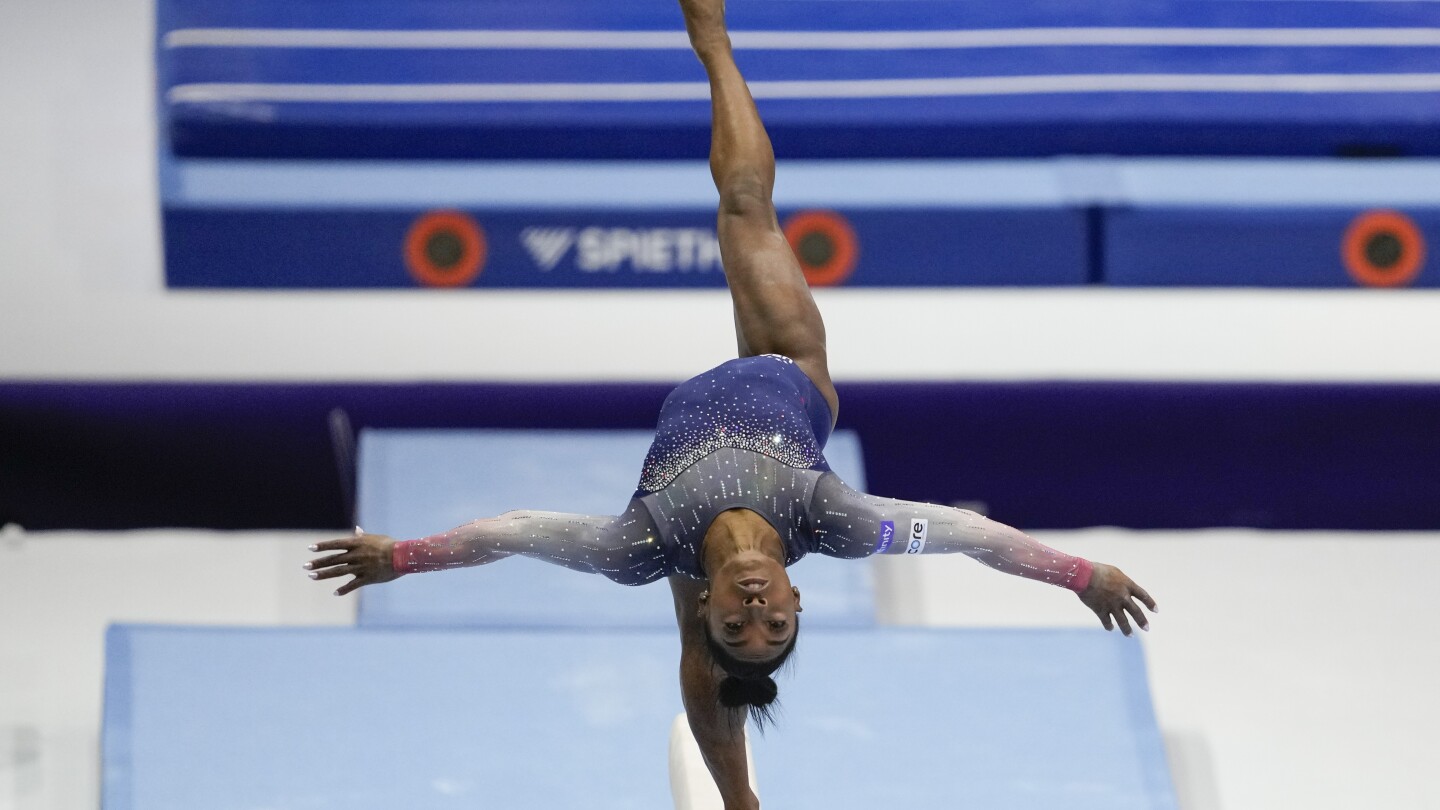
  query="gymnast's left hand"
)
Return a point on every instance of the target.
[
  {"x": 1112, "y": 594},
  {"x": 367, "y": 557}
]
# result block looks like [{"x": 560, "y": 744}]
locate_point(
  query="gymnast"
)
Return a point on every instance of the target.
[{"x": 735, "y": 487}]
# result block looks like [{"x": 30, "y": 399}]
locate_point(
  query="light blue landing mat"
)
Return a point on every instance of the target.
[
  {"x": 414, "y": 483},
  {"x": 913, "y": 719}
]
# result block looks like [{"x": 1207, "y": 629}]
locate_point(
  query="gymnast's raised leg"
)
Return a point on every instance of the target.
[
  {"x": 774, "y": 311},
  {"x": 774, "y": 314}
]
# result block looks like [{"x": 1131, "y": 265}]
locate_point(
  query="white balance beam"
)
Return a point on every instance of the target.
[{"x": 690, "y": 782}]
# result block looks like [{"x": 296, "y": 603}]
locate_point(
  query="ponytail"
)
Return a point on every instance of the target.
[
  {"x": 748, "y": 684},
  {"x": 755, "y": 693}
]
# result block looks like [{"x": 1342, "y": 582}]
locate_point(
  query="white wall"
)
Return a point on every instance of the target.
[{"x": 83, "y": 297}]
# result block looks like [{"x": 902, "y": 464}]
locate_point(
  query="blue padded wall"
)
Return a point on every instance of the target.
[
  {"x": 262, "y": 103},
  {"x": 1044, "y": 455},
  {"x": 896, "y": 247},
  {"x": 286, "y": 224},
  {"x": 1247, "y": 247},
  {"x": 1123, "y": 77}
]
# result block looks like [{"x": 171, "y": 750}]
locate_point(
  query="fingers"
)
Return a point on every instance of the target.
[
  {"x": 334, "y": 559},
  {"x": 1105, "y": 619},
  {"x": 337, "y": 571},
  {"x": 1122, "y": 621},
  {"x": 1115, "y": 603},
  {"x": 1118, "y": 612},
  {"x": 352, "y": 585},
  {"x": 1144, "y": 597},
  {"x": 342, "y": 564},
  {"x": 1134, "y": 610}
]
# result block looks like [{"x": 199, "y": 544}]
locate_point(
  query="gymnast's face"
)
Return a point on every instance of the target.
[{"x": 751, "y": 610}]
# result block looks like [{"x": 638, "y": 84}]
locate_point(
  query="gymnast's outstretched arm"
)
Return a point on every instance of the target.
[
  {"x": 719, "y": 731},
  {"x": 621, "y": 547},
  {"x": 849, "y": 523}
]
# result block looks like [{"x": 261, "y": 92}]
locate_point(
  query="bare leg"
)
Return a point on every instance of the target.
[{"x": 774, "y": 311}]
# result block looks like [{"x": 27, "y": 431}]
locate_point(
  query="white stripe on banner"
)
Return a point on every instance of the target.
[
  {"x": 872, "y": 88},
  {"x": 801, "y": 40}
]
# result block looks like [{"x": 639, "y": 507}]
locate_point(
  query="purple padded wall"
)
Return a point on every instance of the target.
[{"x": 1039, "y": 455}]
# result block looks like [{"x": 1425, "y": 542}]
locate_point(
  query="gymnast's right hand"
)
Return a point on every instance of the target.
[{"x": 367, "y": 557}]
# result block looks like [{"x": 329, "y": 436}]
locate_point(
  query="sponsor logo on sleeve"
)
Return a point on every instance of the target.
[
  {"x": 887, "y": 536},
  {"x": 919, "y": 529}
]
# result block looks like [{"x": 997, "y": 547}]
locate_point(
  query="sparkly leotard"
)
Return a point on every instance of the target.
[{"x": 748, "y": 434}]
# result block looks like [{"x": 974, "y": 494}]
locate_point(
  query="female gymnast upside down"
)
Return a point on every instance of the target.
[{"x": 735, "y": 487}]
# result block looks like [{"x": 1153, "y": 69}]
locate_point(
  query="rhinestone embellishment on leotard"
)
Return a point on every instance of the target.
[{"x": 728, "y": 408}]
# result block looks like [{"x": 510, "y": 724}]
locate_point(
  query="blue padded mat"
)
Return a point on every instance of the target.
[
  {"x": 860, "y": 78},
  {"x": 225, "y": 719},
  {"x": 282, "y": 247},
  {"x": 1257, "y": 247},
  {"x": 417, "y": 482},
  {"x": 1059, "y": 222}
]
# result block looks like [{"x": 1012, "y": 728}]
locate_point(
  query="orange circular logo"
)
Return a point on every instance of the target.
[
  {"x": 824, "y": 245},
  {"x": 445, "y": 249},
  {"x": 1383, "y": 249}
]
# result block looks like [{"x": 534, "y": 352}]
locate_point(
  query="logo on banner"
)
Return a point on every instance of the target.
[
  {"x": 1383, "y": 249},
  {"x": 825, "y": 246},
  {"x": 445, "y": 249},
  {"x": 919, "y": 529},
  {"x": 887, "y": 536},
  {"x": 547, "y": 246},
  {"x": 648, "y": 250},
  {"x": 614, "y": 250}
]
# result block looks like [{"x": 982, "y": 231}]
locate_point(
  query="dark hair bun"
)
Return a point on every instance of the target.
[{"x": 736, "y": 692}]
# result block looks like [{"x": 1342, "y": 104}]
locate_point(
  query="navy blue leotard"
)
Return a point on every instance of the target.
[{"x": 748, "y": 434}]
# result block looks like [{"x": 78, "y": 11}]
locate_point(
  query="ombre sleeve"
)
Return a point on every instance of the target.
[
  {"x": 847, "y": 523},
  {"x": 624, "y": 548}
]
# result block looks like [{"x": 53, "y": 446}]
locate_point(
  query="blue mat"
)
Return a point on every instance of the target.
[
  {"x": 861, "y": 78},
  {"x": 1239, "y": 246},
  {"x": 417, "y": 482},
  {"x": 376, "y": 720}
]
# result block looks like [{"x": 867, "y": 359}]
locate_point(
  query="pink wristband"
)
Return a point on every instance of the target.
[
  {"x": 1081, "y": 580},
  {"x": 399, "y": 558}
]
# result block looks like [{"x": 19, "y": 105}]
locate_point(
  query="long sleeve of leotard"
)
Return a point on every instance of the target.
[
  {"x": 848, "y": 523},
  {"x": 624, "y": 548}
]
